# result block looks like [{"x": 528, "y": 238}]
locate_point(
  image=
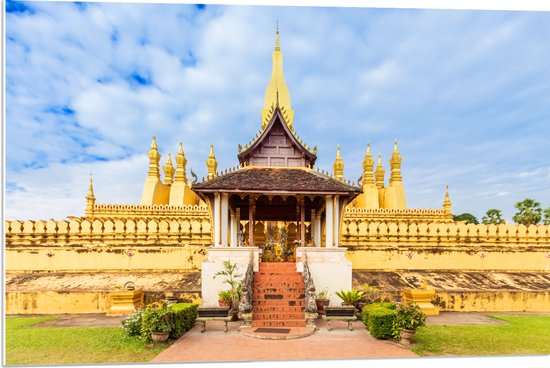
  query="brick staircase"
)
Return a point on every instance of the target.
[{"x": 278, "y": 296}]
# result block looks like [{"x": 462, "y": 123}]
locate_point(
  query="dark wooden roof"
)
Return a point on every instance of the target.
[
  {"x": 276, "y": 180},
  {"x": 277, "y": 146}
]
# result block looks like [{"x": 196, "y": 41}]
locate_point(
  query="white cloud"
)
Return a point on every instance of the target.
[{"x": 464, "y": 92}]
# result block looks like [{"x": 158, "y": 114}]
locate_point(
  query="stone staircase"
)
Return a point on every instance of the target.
[{"x": 278, "y": 298}]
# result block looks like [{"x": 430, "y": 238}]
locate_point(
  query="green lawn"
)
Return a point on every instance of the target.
[
  {"x": 524, "y": 335},
  {"x": 27, "y": 345}
]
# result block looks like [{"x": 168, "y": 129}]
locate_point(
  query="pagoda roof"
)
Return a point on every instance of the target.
[
  {"x": 282, "y": 180},
  {"x": 277, "y": 117}
]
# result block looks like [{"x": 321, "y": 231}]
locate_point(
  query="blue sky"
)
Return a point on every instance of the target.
[{"x": 466, "y": 93}]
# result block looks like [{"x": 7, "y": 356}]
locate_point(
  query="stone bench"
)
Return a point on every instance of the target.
[
  {"x": 213, "y": 314},
  {"x": 344, "y": 313},
  {"x": 340, "y": 318}
]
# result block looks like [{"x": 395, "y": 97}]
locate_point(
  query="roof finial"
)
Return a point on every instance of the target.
[
  {"x": 447, "y": 203},
  {"x": 277, "y": 44},
  {"x": 90, "y": 200},
  {"x": 368, "y": 148},
  {"x": 395, "y": 145},
  {"x": 91, "y": 188}
]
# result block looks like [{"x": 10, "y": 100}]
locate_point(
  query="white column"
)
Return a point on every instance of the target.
[
  {"x": 336, "y": 228},
  {"x": 232, "y": 229},
  {"x": 237, "y": 225},
  {"x": 216, "y": 219},
  {"x": 224, "y": 219},
  {"x": 329, "y": 221}
]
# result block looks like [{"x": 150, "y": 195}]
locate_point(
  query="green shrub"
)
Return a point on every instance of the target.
[
  {"x": 156, "y": 318},
  {"x": 410, "y": 316},
  {"x": 132, "y": 324},
  {"x": 183, "y": 318},
  {"x": 374, "y": 306},
  {"x": 381, "y": 323},
  {"x": 350, "y": 297}
]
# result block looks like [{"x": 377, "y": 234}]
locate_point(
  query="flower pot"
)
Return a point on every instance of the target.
[
  {"x": 321, "y": 304},
  {"x": 406, "y": 337},
  {"x": 159, "y": 336},
  {"x": 224, "y": 304}
]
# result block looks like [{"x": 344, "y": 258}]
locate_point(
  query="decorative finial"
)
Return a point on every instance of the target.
[
  {"x": 277, "y": 44},
  {"x": 379, "y": 159},
  {"x": 338, "y": 166},
  {"x": 368, "y": 165},
  {"x": 395, "y": 145},
  {"x": 211, "y": 163},
  {"x": 91, "y": 187},
  {"x": 168, "y": 171},
  {"x": 379, "y": 173},
  {"x": 154, "y": 143},
  {"x": 90, "y": 199}
]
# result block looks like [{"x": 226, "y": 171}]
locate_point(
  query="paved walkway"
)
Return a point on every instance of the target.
[{"x": 214, "y": 345}]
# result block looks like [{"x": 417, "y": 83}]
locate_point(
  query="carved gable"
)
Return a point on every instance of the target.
[{"x": 278, "y": 147}]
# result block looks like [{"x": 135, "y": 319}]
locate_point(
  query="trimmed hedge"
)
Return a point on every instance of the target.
[
  {"x": 367, "y": 309},
  {"x": 183, "y": 318},
  {"x": 382, "y": 323}
]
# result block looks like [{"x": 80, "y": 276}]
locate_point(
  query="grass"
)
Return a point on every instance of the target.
[
  {"x": 28, "y": 345},
  {"x": 524, "y": 335}
]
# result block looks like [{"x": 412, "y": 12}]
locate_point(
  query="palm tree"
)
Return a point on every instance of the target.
[{"x": 529, "y": 212}]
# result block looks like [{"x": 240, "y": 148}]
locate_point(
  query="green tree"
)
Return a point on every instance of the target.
[
  {"x": 493, "y": 216},
  {"x": 529, "y": 212},
  {"x": 546, "y": 220},
  {"x": 468, "y": 217}
]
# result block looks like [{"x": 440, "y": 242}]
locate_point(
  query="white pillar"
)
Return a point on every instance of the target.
[
  {"x": 224, "y": 219},
  {"x": 216, "y": 219},
  {"x": 232, "y": 229},
  {"x": 329, "y": 222},
  {"x": 336, "y": 228}
]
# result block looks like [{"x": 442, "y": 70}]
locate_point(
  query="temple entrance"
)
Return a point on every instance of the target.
[{"x": 277, "y": 224}]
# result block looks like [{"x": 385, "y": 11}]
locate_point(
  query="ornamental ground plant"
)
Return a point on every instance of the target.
[{"x": 409, "y": 317}]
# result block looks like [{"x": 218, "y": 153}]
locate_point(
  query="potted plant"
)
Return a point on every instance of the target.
[
  {"x": 156, "y": 324},
  {"x": 408, "y": 319},
  {"x": 224, "y": 298},
  {"x": 234, "y": 280},
  {"x": 322, "y": 299}
]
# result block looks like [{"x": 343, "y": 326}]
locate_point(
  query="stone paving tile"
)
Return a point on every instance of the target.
[{"x": 214, "y": 345}]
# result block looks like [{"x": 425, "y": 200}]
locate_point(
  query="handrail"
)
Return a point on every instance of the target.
[
  {"x": 311, "y": 305},
  {"x": 245, "y": 305}
]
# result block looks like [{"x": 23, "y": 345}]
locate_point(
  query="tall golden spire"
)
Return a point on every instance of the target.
[
  {"x": 168, "y": 171},
  {"x": 338, "y": 166},
  {"x": 211, "y": 163},
  {"x": 368, "y": 165},
  {"x": 379, "y": 173},
  {"x": 181, "y": 161},
  {"x": 395, "y": 164},
  {"x": 90, "y": 199},
  {"x": 447, "y": 202},
  {"x": 154, "y": 158},
  {"x": 277, "y": 93}
]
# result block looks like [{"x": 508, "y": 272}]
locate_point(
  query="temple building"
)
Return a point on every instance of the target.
[{"x": 274, "y": 206}]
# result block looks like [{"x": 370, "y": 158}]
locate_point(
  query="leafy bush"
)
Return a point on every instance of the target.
[
  {"x": 350, "y": 297},
  {"x": 132, "y": 324},
  {"x": 225, "y": 295},
  {"x": 409, "y": 317},
  {"x": 156, "y": 318},
  {"x": 322, "y": 295},
  {"x": 381, "y": 323},
  {"x": 183, "y": 318},
  {"x": 374, "y": 306}
]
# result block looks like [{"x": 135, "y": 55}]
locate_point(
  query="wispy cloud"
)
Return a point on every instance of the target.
[{"x": 465, "y": 92}]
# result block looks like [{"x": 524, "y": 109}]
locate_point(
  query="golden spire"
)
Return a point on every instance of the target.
[
  {"x": 395, "y": 164},
  {"x": 277, "y": 93},
  {"x": 168, "y": 171},
  {"x": 154, "y": 158},
  {"x": 379, "y": 173},
  {"x": 338, "y": 166},
  {"x": 277, "y": 44},
  {"x": 368, "y": 165},
  {"x": 447, "y": 202},
  {"x": 181, "y": 161},
  {"x": 90, "y": 199},
  {"x": 211, "y": 163}
]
